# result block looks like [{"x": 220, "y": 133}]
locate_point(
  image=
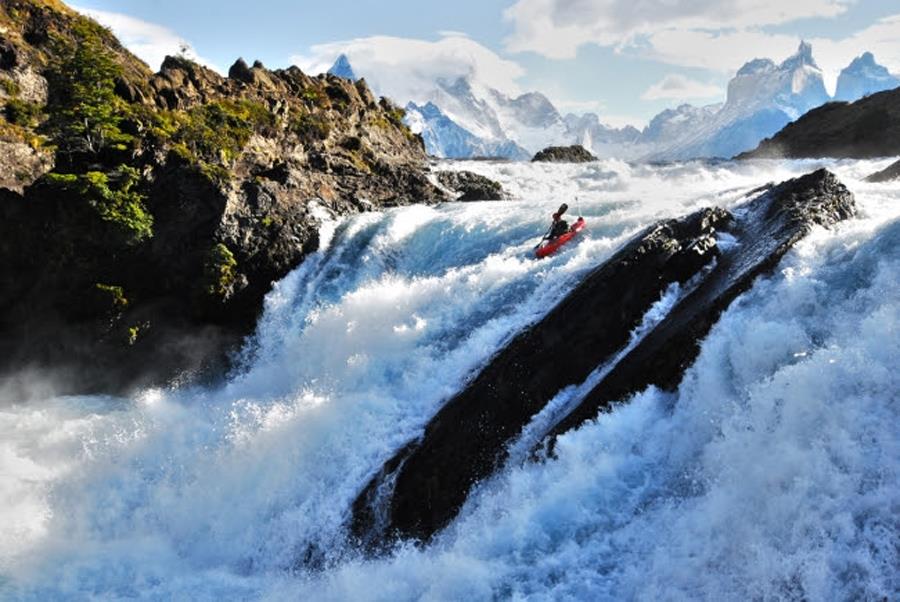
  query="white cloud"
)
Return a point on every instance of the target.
[
  {"x": 727, "y": 51},
  {"x": 675, "y": 86},
  {"x": 556, "y": 28},
  {"x": 406, "y": 69},
  {"x": 882, "y": 39},
  {"x": 149, "y": 41},
  {"x": 710, "y": 34},
  {"x": 724, "y": 52}
]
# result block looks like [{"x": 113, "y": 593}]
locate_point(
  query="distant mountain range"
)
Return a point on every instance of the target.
[{"x": 464, "y": 118}]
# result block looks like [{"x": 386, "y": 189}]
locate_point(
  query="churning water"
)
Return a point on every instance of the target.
[{"x": 771, "y": 474}]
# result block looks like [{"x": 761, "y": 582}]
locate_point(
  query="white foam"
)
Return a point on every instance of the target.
[{"x": 774, "y": 477}]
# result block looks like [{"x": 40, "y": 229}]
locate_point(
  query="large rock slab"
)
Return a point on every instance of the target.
[
  {"x": 466, "y": 440},
  {"x": 423, "y": 486},
  {"x": 765, "y": 230}
]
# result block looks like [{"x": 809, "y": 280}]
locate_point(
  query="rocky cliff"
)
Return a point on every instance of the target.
[
  {"x": 867, "y": 128},
  {"x": 144, "y": 216},
  {"x": 589, "y": 341}
]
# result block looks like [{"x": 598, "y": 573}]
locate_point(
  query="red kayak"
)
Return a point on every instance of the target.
[{"x": 548, "y": 247}]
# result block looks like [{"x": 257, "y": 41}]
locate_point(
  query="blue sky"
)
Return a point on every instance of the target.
[{"x": 622, "y": 59}]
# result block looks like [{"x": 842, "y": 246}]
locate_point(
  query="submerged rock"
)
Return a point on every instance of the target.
[
  {"x": 564, "y": 154},
  {"x": 471, "y": 186},
  {"x": 423, "y": 486}
]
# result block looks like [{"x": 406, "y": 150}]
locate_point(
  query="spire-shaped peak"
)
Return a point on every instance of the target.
[
  {"x": 342, "y": 68},
  {"x": 803, "y": 56}
]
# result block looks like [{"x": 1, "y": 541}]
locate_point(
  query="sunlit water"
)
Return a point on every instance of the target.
[{"x": 772, "y": 473}]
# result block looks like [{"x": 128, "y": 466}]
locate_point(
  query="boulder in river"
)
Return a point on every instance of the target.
[
  {"x": 564, "y": 154},
  {"x": 592, "y": 341}
]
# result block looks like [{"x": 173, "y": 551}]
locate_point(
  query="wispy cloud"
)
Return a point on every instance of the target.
[
  {"x": 151, "y": 42},
  {"x": 557, "y": 28},
  {"x": 406, "y": 68},
  {"x": 675, "y": 86}
]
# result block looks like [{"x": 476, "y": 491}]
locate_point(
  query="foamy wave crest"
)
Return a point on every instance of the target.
[{"x": 770, "y": 473}]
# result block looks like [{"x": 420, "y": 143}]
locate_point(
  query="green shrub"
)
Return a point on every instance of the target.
[
  {"x": 85, "y": 112},
  {"x": 217, "y": 131},
  {"x": 220, "y": 271},
  {"x": 310, "y": 127},
  {"x": 9, "y": 86},
  {"x": 396, "y": 115},
  {"x": 23, "y": 113},
  {"x": 113, "y": 198},
  {"x": 314, "y": 97},
  {"x": 116, "y": 294}
]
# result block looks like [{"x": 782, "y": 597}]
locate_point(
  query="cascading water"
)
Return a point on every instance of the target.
[{"x": 770, "y": 474}]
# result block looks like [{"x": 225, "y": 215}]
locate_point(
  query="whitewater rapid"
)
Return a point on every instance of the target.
[{"x": 772, "y": 473}]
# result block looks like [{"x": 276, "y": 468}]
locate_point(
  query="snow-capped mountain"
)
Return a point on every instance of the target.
[
  {"x": 675, "y": 124},
  {"x": 513, "y": 127},
  {"x": 762, "y": 98},
  {"x": 342, "y": 68},
  {"x": 445, "y": 138},
  {"x": 465, "y": 117},
  {"x": 862, "y": 77}
]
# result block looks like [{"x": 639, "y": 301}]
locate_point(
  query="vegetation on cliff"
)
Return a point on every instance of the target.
[{"x": 182, "y": 192}]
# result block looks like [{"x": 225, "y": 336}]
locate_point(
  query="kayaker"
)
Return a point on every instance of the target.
[{"x": 560, "y": 226}]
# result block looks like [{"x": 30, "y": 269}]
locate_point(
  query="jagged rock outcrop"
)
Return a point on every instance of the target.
[
  {"x": 422, "y": 487},
  {"x": 147, "y": 250},
  {"x": 564, "y": 154},
  {"x": 470, "y": 186},
  {"x": 867, "y": 128},
  {"x": 891, "y": 172}
]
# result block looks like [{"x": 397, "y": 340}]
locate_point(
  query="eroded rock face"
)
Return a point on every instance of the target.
[
  {"x": 420, "y": 490},
  {"x": 564, "y": 154},
  {"x": 21, "y": 164},
  {"x": 471, "y": 186}
]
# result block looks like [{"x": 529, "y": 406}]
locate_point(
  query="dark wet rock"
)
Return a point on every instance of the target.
[
  {"x": 565, "y": 154},
  {"x": 465, "y": 441},
  {"x": 767, "y": 228},
  {"x": 891, "y": 172},
  {"x": 420, "y": 490},
  {"x": 867, "y": 128},
  {"x": 471, "y": 186}
]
